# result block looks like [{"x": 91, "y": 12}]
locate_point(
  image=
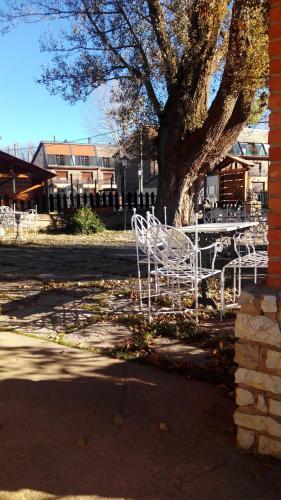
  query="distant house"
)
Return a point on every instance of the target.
[
  {"x": 76, "y": 166},
  {"x": 21, "y": 180}
]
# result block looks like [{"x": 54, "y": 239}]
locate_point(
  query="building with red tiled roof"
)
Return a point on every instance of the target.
[{"x": 77, "y": 166}]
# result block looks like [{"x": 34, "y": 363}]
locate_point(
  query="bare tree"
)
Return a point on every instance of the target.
[{"x": 194, "y": 69}]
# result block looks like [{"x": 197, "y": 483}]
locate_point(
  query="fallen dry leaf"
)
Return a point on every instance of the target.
[
  {"x": 163, "y": 426},
  {"x": 118, "y": 419},
  {"x": 82, "y": 441}
]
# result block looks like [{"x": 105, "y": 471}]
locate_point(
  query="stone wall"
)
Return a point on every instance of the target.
[{"x": 258, "y": 377}]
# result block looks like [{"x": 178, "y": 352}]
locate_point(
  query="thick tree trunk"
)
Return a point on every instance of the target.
[{"x": 177, "y": 192}]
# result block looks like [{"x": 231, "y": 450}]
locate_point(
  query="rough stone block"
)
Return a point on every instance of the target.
[
  {"x": 268, "y": 446},
  {"x": 258, "y": 328},
  {"x": 279, "y": 308},
  {"x": 258, "y": 380},
  {"x": 244, "y": 397},
  {"x": 269, "y": 304},
  {"x": 258, "y": 423},
  {"x": 275, "y": 407},
  {"x": 245, "y": 438},
  {"x": 253, "y": 308},
  {"x": 271, "y": 315},
  {"x": 273, "y": 360},
  {"x": 261, "y": 404},
  {"x": 245, "y": 298},
  {"x": 247, "y": 355}
]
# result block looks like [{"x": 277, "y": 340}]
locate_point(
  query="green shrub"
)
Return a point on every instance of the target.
[{"x": 84, "y": 221}]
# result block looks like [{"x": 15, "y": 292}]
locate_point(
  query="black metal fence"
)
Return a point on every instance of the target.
[
  {"x": 263, "y": 198},
  {"x": 61, "y": 202}
]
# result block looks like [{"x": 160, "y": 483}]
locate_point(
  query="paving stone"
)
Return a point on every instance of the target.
[
  {"x": 101, "y": 336},
  {"x": 177, "y": 351},
  {"x": 268, "y": 446}
]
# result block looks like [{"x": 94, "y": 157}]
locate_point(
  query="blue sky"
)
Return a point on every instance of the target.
[{"x": 28, "y": 112}]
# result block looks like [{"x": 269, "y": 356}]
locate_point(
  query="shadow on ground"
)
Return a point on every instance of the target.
[
  {"x": 73, "y": 423},
  {"x": 68, "y": 262}
]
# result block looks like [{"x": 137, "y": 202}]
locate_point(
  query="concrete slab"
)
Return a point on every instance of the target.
[{"x": 176, "y": 351}]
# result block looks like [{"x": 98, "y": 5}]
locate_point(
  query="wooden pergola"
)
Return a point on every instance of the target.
[{"x": 19, "y": 179}]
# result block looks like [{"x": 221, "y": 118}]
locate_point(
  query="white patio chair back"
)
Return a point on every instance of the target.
[
  {"x": 152, "y": 220},
  {"x": 4, "y": 209},
  {"x": 216, "y": 215},
  {"x": 139, "y": 228},
  {"x": 170, "y": 247}
]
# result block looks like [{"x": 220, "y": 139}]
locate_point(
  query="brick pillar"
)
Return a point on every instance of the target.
[{"x": 274, "y": 184}]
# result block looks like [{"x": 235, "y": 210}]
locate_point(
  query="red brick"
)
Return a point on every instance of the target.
[
  {"x": 275, "y": 134},
  {"x": 274, "y": 235},
  {"x": 275, "y": 120},
  {"x": 274, "y": 268},
  {"x": 275, "y": 82},
  {"x": 274, "y": 219},
  {"x": 275, "y": 12},
  {"x": 275, "y": 66},
  {"x": 275, "y": 153},
  {"x": 274, "y": 203},
  {"x": 275, "y": 170},
  {"x": 274, "y": 249},
  {"x": 274, "y": 47},
  {"x": 275, "y": 30},
  {"x": 273, "y": 282},
  {"x": 274, "y": 187},
  {"x": 275, "y": 101}
]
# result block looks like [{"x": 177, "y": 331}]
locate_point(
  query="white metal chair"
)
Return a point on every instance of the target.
[
  {"x": 140, "y": 226},
  {"x": 176, "y": 265},
  {"x": 7, "y": 217},
  {"x": 248, "y": 257},
  {"x": 27, "y": 220}
]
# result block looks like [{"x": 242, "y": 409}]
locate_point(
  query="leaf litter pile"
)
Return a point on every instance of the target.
[{"x": 209, "y": 335}]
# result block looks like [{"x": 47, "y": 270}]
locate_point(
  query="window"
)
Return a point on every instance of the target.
[
  {"x": 62, "y": 175},
  {"x": 108, "y": 177},
  {"x": 87, "y": 177},
  {"x": 82, "y": 160},
  {"x": 235, "y": 150},
  {"x": 106, "y": 162},
  {"x": 252, "y": 149},
  {"x": 60, "y": 160},
  {"x": 257, "y": 187}
]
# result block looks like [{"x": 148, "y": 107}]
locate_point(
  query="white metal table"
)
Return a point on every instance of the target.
[{"x": 218, "y": 227}]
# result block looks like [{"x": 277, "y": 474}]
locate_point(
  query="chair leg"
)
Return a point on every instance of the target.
[
  {"x": 234, "y": 285},
  {"x": 139, "y": 280},
  {"x": 239, "y": 281},
  {"x": 149, "y": 292},
  {"x": 222, "y": 296}
]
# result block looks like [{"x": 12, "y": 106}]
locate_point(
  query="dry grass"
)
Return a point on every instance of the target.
[{"x": 107, "y": 238}]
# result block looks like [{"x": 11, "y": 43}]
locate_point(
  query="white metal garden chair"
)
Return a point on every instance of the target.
[
  {"x": 176, "y": 265},
  {"x": 7, "y": 217},
  {"x": 248, "y": 257}
]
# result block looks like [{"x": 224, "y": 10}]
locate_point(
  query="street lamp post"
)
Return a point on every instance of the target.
[{"x": 124, "y": 163}]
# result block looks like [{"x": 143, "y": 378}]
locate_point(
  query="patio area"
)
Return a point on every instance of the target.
[{"x": 70, "y": 419}]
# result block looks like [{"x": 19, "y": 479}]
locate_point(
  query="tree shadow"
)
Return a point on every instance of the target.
[{"x": 73, "y": 423}]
